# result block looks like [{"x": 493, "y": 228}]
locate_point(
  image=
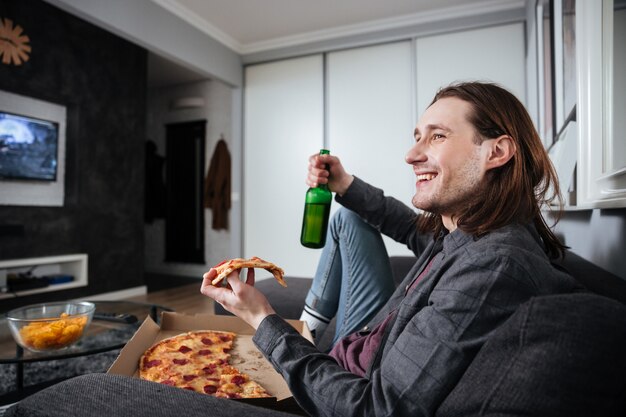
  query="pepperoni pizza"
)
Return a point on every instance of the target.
[{"x": 199, "y": 361}]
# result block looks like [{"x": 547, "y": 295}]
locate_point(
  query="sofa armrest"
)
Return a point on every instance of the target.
[{"x": 558, "y": 355}]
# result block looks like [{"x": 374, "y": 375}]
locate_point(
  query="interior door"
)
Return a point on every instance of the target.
[{"x": 184, "y": 221}]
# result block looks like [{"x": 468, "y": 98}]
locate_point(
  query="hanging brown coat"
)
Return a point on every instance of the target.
[{"x": 217, "y": 186}]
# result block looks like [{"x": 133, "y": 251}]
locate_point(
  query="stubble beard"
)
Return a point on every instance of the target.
[{"x": 453, "y": 196}]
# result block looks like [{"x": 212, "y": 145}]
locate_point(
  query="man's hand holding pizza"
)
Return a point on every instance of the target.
[{"x": 241, "y": 299}]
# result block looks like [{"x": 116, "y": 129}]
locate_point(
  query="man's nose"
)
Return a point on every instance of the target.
[{"x": 415, "y": 154}]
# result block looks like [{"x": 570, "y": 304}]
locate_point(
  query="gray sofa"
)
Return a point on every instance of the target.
[{"x": 561, "y": 355}]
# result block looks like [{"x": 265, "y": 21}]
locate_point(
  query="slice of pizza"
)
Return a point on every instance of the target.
[
  {"x": 225, "y": 268},
  {"x": 240, "y": 386}
]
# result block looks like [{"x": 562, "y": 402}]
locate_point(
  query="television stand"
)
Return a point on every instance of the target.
[{"x": 74, "y": 265}]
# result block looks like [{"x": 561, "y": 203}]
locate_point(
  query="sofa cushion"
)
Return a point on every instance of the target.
[{"x": 560, "y": 355}]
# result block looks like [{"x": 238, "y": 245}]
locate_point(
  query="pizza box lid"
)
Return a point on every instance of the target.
[{"x": 245, "y": 356}]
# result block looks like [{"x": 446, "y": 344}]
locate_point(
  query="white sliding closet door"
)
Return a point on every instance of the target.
[
  {"x": 370, "y": 117},
  {"x": 494, "y": 54},
  {"x": 283, "y": 112}
]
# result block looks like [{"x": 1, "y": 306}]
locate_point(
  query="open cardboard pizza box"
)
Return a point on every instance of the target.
[{"x": 245, "y": 356}]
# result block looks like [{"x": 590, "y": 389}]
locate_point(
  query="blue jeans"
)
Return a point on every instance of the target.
[{"x": 353, "y": 278}]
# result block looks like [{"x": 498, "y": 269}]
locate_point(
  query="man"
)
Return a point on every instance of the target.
[{"x": 483, "y": 249}]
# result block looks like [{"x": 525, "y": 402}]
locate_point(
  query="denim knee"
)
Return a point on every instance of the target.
[{"x": 344, "y": 218}]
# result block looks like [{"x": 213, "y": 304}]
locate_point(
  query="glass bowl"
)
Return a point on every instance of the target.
[{"x": 50, "y": 326}]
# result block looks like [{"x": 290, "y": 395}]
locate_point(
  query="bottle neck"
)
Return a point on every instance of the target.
[{"x": 324, "y": 152}]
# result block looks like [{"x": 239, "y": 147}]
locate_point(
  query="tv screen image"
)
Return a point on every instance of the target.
[{"x": 28, "y": 147}]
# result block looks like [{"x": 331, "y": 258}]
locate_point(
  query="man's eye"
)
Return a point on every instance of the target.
[{"x": 438, "y": 136}]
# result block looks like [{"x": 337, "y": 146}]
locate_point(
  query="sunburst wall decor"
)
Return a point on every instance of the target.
[{"x": 14, "y": 47}]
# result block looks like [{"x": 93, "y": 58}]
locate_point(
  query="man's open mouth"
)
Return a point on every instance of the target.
[{"x": 425, "y": 177}]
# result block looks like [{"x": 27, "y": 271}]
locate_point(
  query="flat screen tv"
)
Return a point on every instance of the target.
[{"x": 28, "y": 148}]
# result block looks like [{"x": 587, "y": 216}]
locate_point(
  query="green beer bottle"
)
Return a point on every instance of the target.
[{"x": 316, "y": 211}]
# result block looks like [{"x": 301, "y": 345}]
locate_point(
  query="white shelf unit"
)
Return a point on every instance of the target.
[{"x": 73, "y": 264}]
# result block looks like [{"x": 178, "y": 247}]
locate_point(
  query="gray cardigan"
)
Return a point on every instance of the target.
[{"x": 473, "y": 286}]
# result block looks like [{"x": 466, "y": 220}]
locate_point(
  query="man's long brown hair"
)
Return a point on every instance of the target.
[{"x": 516, "y": 191}]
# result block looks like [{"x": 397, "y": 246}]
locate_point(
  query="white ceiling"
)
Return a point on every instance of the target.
[
  {"x": 248, "y": 26},
  {"x": 251, "y": 25}
]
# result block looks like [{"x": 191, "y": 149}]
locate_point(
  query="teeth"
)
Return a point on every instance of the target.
[{"x": 425, "y": 177}]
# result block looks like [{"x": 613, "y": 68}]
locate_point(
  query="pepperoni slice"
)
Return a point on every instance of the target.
[
  {"x": 184, "y": 349},
  {"x": 168, "y": 382},
  {"x": 181, "y": 361},
  {"x": 238, "y": 380},
  {"x": 150, "y": 364},
  {"x": 210, "y": 389},
  {"x": 204, "y": 352},
  {"x": 189, "y": 377},
  {"x": 209, "y": 369},
  {"x": 207, "y": 341}
]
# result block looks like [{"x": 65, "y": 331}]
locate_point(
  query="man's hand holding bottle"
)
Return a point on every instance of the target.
[{"x": 327, "y": 169}]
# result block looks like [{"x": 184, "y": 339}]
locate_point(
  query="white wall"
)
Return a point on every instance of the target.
[
  {"x": 218, "y": 113},
  {"x": 597, "y": 235}
]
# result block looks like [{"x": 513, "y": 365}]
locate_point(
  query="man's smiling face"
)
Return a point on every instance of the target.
[{"x": 447, "y": 161}]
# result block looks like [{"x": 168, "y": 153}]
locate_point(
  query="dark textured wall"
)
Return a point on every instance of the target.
[{"x": 101, "y": 79}]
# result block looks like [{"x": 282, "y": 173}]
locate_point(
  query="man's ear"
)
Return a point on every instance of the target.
[{"x": 499, "y": 151}]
